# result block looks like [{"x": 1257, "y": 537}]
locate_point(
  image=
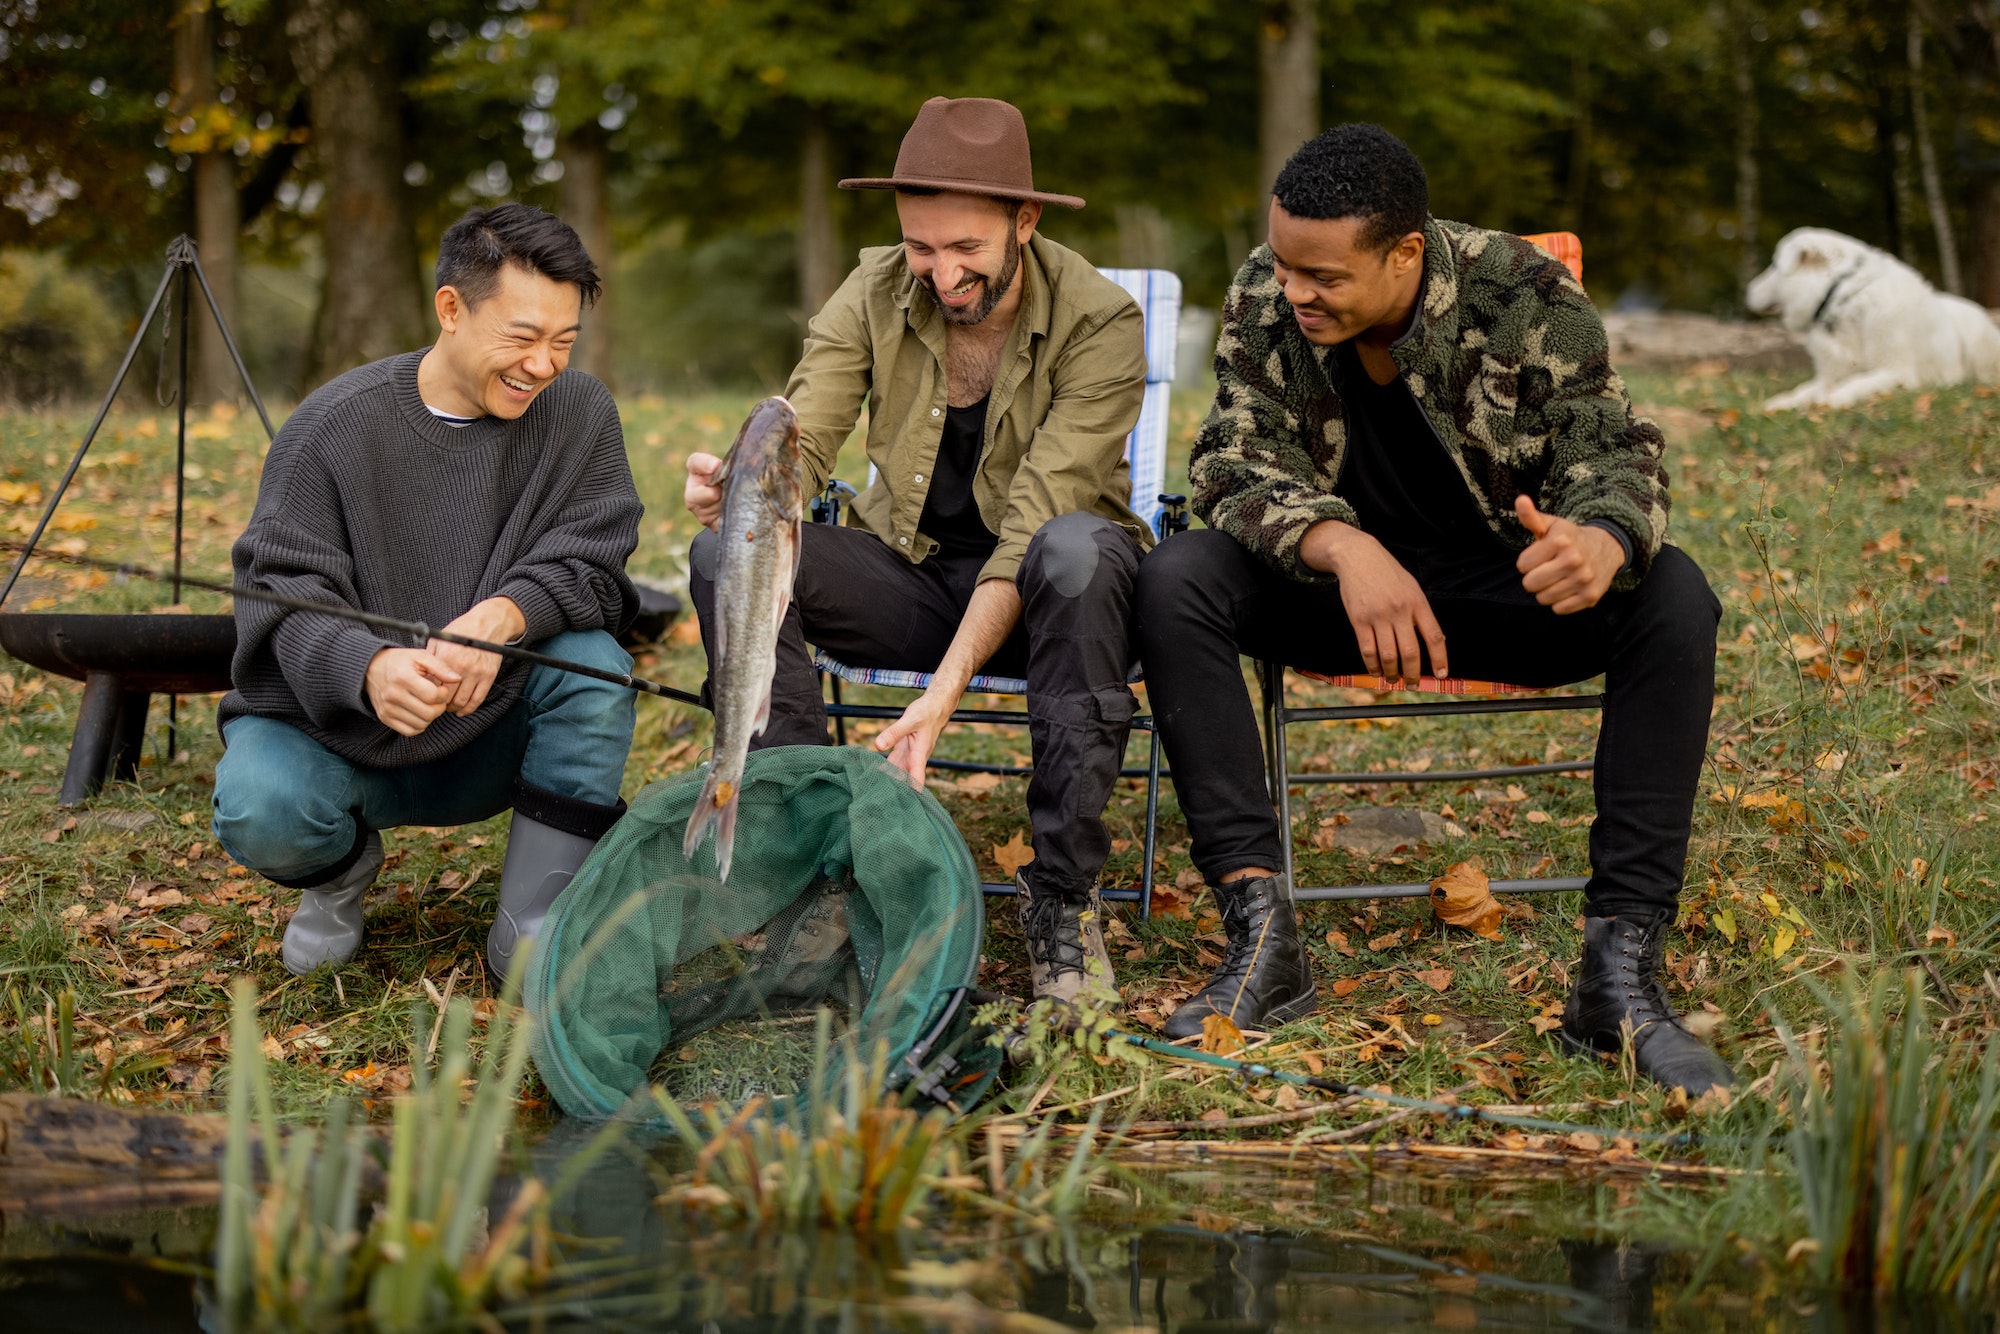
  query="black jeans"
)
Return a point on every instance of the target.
[
  {"x": 869, "y": 607},
  {"x": 1202, "y": 599}
]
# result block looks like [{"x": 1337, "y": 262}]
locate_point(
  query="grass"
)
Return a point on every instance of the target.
[{"x": 1845, "y": 822}]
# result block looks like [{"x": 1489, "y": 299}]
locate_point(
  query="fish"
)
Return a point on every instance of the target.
[{"x": 763, "y": 505}]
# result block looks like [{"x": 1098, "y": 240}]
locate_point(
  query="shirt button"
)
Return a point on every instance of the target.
[
  {"x": 902, "y": 541},
  {"x": 920, "y": 477},
  {"x": 934, "y": 412}
]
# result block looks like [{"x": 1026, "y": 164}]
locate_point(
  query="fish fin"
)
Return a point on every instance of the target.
[
  {"x": 763, "y": 718},
  {"x": 783, "y": 602},
  {"x": 714, "y": 810}
]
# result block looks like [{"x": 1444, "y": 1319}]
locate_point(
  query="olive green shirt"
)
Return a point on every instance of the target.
[{"x": 1067, "y": 392}]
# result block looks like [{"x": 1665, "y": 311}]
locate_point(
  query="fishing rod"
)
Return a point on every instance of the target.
[{"x": 417, "y": 630}]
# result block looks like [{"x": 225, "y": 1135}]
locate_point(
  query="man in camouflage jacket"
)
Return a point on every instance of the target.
[{"x": 1420, "y": 458}]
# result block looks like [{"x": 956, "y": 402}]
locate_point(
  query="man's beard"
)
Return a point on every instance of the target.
[{"x": 993, "y": 291}]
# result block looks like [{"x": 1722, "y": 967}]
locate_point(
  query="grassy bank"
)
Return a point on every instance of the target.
[{"x": 1844, "y": 821}]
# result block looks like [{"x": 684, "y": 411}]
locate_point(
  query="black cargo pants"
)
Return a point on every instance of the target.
[{"x": 865, "y": 605}]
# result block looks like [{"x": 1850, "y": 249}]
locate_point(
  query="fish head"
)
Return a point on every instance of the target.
[{"x": 767, "y": 448}]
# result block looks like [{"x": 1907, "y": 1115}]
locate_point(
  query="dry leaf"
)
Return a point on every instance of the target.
[
  {"x": 1437, "y": 979},
  {"x": 977, "y": 786},
  {"x": 1346, "y": 986},
  {"x": 1220, "y": 1036},
  {"x": 273, "y": 1049},
  {"x": 1288, "y": 1098},
  {"x": 1170, "y": 902},
  {"x": 1388, "y": 941},
  {"x": 1012, "y": 855},
  {"x": 1583, "y": 1141},
  {"x": 1889, "y": 541},
  {"x": 1463, "y": 896},
  {"x": 1338, "y": 939},
  {"x": 1214, "y": 1114}
]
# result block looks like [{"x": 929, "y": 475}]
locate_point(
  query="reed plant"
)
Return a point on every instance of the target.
[
  {"x": 1876, "y": 1164},
  {"x": 347, "y": 1222},
  {"x": 851, "y": 1152},
  {"x": 40, "y": 1054}
]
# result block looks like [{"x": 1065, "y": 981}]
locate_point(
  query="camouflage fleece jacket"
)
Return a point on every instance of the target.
[{"x": 1506, "y": 356}]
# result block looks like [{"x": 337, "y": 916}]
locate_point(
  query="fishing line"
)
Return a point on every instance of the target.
[{"x": 417, "y": 630}]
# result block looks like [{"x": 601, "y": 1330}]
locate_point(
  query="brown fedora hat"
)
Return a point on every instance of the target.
[{"x": 966, "y": 145}]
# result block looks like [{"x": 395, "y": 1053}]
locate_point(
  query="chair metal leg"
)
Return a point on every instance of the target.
[
  {"x": 1152, "y": 826},
  {"x": 839, "y": 720},
  {"x": 1281, "y": 767}
]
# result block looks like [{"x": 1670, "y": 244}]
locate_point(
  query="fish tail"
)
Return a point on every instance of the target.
[{"x": 714, "y": 809}]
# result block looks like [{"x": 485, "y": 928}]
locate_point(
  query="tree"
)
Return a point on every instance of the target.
[
  {"x": 373, "y": 303},
  {"x": 217, "y": 210},
  {"x": 1288, "y": 83}
]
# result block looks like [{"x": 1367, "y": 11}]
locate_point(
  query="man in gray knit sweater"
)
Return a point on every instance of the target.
[{"x": 475, "y": 484}]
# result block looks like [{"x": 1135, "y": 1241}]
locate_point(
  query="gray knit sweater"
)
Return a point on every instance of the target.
[{"x": 367, "y": 499}]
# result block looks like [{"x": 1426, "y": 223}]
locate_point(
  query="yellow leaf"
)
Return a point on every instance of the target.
[
  {"x": 1012, "y": 855},
  {"x": 1725, "y": 922},
  {"x": 1770, "y": 902},
  {"x": 1220, "y": 1036},
  {"x": 1433, "y": 1020},
  {"x": 1463, "y": 896},
  {"x": 1781, "y": 940},
  {"x": 1538, "y": 817}
]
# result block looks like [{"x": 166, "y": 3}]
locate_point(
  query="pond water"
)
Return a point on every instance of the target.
[{"x": 1204, "y": 1250}]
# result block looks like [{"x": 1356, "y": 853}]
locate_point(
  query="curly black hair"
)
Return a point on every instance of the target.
[{"x": 1357, "y": 171}]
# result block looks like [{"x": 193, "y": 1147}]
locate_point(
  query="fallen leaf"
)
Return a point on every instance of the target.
[
  {"x": 1338, "y": 939},
  {"x": 1515, "y": 792},
  {"x": 1463, "y": 896},
  {"x": 1433, "y": 1020},
  {"x": 1220, "y": 1036},
  {"x": 977, "y": 786},
  {"x": 1214, "y": 1114},
  {"x": 273, "y": 1049},
  {"x": 1887, "y": 542},
  {"x": 1388, "y": 941},
  {"x": 1288, "y": 1098},
  {"x": 1346, "y": 986},
  {"x": 1538, "y": 817},
  {"x": 1012, "y": 855},
  {"x": 1171, "y": 902},
  {"x": 1781, "y": 940},
  {"x": 1437, "y": 979},
  {"x": 1939, "y": 935},
  {"x": 1583, "y": 1141}
]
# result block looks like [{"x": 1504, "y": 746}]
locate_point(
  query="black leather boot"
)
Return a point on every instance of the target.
[
  {"x": 1618, "y": 988},
  {"x": 1265, "y": 978}
]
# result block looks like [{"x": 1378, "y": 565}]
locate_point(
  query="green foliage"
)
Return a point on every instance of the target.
[
  {"x": 850, "y": 1154},
  {"x": 295, "y": 1250}
]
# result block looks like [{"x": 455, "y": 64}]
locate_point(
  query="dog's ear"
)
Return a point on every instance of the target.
[{"x": 1808, "y": 258}]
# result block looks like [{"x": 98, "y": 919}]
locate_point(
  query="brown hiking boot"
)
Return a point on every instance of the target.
[{"x": 1066, "y": 956}]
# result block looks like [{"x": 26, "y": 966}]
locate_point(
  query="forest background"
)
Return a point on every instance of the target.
[{"x": 316, "y": 148}]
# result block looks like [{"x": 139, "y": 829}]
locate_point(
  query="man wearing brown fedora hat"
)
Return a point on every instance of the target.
[{"x": 1002, "y": 374}]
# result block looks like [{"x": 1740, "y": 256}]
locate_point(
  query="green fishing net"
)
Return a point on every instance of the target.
[{"x": 850, "y": 892}]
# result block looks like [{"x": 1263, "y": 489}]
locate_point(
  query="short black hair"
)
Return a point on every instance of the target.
[
  {"x": 473, "y": 249},
  {"x": 1357, "y": 171}
]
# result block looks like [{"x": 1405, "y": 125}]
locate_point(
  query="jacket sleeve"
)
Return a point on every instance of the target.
[
  {"x": 832, "y": 380},
  {"x": 1098, "y": 386},
  {"x": 1604, "y": 462},
  {"x": 572, "y": 576},
  {"x": 1253, "y": 473},
  {"x": 294, "y": 546}
]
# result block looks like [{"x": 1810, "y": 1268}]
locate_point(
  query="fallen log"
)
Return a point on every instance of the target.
[{"x": 66, "y": 1155}]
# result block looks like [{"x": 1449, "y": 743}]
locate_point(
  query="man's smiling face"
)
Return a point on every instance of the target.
[
  {"x": 511, "y": 346},
  {"x": 966, "y": 249},
  {"x": 1337, "y": 286}
]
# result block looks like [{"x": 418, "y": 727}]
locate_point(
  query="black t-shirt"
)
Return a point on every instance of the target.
[
  {"x": 951, "y": 515},
  {"x": 1410, "y": 496}
]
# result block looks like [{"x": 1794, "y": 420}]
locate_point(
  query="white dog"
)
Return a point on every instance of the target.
[{"x": 1871, "y": 322}]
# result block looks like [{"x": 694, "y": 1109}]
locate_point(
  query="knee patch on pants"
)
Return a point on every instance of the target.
[{"x": 1066, "y": 553}]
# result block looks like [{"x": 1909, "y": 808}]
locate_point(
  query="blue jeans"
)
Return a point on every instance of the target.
[{"x": 288, "y": 807}]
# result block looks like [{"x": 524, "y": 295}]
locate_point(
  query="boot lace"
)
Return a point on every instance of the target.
[
  {"x": 1054, "y": 935},
  {"x": 1639, "y": 975}
]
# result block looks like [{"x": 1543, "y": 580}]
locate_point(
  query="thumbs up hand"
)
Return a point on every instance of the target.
[{"x": 1569, "y": 566}]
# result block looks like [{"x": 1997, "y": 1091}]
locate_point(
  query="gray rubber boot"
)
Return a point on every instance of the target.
[
  {"x": 540, "y": 862},
  {"x": 326, "y": 928}
]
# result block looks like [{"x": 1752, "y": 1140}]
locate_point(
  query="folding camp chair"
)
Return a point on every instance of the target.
[
  {"x": 1457, "y": 697},
  {"x": 1158, "y": 293}
]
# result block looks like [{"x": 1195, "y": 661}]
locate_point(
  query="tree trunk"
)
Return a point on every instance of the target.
[
  {"x": 1576, "y": 190},
  {"x": 1986, "y": 241},
  {"x": 586, "y": 206},
  {"x": 1920, "y": 127},
  {"x": 374, "y": 299},
  {"x": 819, "y": 236},
  {"x": 1749, "y": 192},
  {"x": 1288, "y": 72},
  {"x": 217, "y": 215}
]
